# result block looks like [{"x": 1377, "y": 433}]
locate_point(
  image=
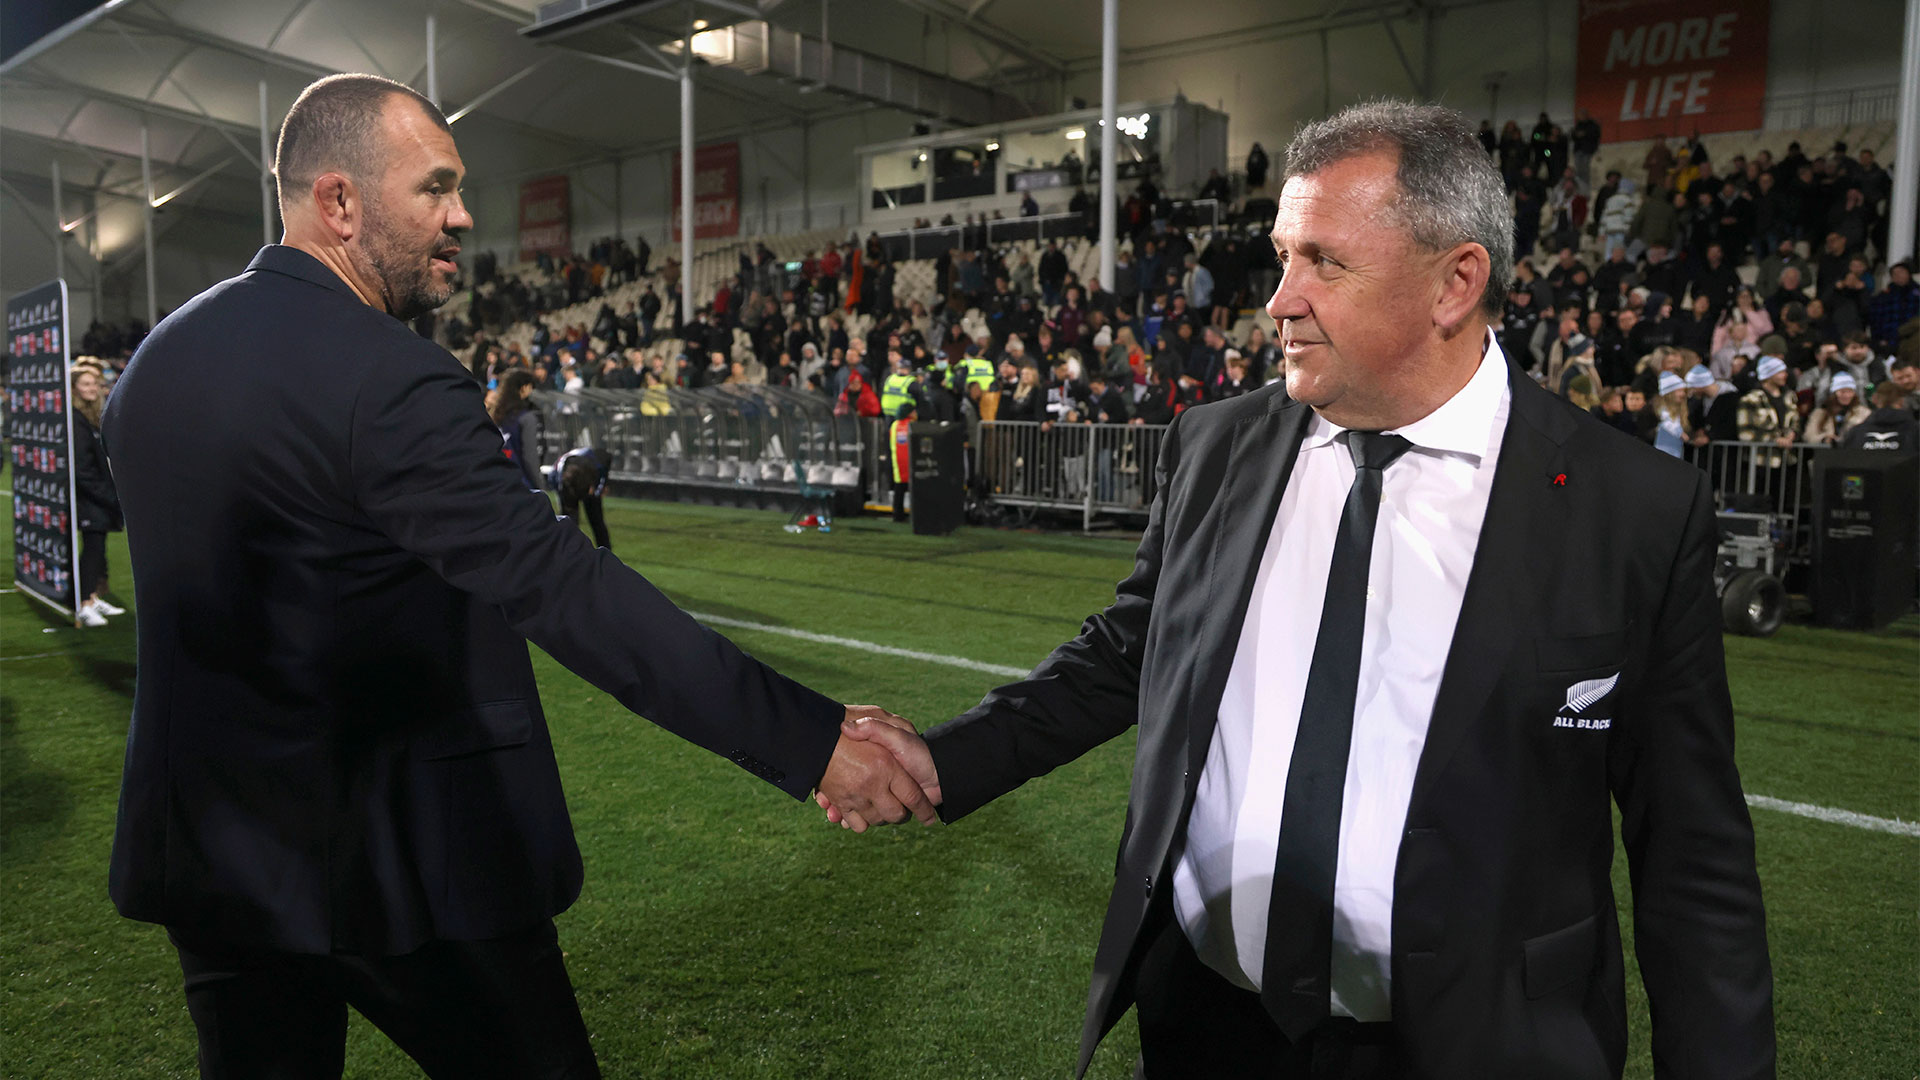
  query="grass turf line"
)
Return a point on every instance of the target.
[{"x": 726, "y": 932}]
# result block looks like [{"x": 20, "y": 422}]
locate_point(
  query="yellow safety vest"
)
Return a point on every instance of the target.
[
  {"x": 901, "y": 442},
  {"x": 979, "y": 372},
  {"x": 896, "y": 394}
]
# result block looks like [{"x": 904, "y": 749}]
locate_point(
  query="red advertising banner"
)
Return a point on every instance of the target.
[
  {"x": 546, "y": 221},
  {"x": 1652, "y": 68},
  {"x": 716, "y": 191}
]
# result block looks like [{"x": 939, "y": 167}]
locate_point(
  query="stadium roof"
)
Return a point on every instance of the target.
[{"x": 191, "y": 70}]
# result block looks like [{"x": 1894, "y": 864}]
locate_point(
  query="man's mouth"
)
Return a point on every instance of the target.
[{"x": 443, "y": 259}]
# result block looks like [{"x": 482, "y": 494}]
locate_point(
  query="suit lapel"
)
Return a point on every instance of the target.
[
  {"x": 1524, "y": 527},
  {"x": 1258, "y": 465}
]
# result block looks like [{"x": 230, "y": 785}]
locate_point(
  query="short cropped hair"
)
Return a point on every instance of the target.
[
  {"x": 333, "y": 127},
  {"x": 1450, "y": 192}
]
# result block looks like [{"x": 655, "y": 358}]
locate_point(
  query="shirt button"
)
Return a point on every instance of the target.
[
  {"x": 1370, "y": 593},
  {"x": 1149, "y": 885}
]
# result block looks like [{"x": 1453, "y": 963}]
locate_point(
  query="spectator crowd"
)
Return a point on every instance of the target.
[{"x": 1688, "y": 303}]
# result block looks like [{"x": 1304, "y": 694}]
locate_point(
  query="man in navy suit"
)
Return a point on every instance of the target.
[
  {"x": 1392, "y": 647},
  {"x": 339, "y": 784}
]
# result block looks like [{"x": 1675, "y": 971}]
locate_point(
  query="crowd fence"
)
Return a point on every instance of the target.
[
  {"x": 777, "y": 440},
  {"x": 762, "y": 438}
]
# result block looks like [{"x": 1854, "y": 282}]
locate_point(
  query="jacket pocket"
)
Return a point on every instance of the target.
[
  {"x": 1557, "y": 959},
  {"x": 496, "y": 725},
  {"x": 1585, "y": 652}
]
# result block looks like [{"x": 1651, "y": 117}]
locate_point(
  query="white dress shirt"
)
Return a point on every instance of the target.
[{"x": 1433, "y": 503}]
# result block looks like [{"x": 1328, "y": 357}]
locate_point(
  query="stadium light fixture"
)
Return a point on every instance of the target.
[
  {"x": 1077, "y": 133},
  {"x": 992, "y": 146}
]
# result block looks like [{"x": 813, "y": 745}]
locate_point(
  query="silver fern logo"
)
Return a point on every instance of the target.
[{"x": 1581, "y": 699}]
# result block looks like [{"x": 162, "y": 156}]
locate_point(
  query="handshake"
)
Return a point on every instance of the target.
[{"x": 880, "y": 773}]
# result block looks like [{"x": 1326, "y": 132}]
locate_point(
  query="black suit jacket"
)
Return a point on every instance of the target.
[
  {"x": 337, "y": 743},
  {"x": 1595, "y": 557}
]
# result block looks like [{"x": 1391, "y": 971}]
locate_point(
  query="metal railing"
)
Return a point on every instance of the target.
[
  {"x": 1093, "y": 468},
  {"x": 764, "y": 438},
  {"x": 1765, "y": 478},
  {"x": 1832, "y": 108},
  {"x": 753, "y": 437},
  {"x": 927, "y": 243}
]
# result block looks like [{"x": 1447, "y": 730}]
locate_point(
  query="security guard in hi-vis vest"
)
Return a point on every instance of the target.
[
  {"x": 899, "y": 440},
  {"x": 977, "y": 370},
  {"x": 896, "y": 394}
]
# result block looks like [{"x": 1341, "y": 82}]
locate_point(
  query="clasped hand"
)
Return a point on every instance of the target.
[{"x": 880, "y": 773}]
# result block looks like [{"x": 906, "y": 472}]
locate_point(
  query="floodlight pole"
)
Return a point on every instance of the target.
[
  {"x": 1109, "y": 120},
  {"x": 59, "y": 228},
  {"x": 146, "y": 216},
  {"x": 1906, "y": 145},
  {"x": 433, "y": 66},
  {"x": 686, "y": 174},
  {"x": 266, "y": 168}
]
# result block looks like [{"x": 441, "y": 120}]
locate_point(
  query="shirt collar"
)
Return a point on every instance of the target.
[{"x": 1464, "y": 424}]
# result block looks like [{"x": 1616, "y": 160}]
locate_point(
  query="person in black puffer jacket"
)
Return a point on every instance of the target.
[{"x": 96, "y": 505}]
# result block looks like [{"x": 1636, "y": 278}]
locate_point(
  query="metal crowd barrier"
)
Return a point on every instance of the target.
[
  {"x": 1093, "y": 468},
  {"x": 754, "y": 436},
  {"x": 764, "y": 438},
  {"x": 1765, "y": 478}
]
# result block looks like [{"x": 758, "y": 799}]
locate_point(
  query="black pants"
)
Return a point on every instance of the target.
[
  {"x": 500, "y": 1008},
  {"x": 1195, "y": 1023},
  {"x": 93, "y": 561},
  {"x": 595, "y": 516},
  {"x": 900, "y": 500}
]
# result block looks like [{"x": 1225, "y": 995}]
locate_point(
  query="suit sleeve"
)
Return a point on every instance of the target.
[
  {"x": 1085, "y": 692},
  {"x": 1699, "y": 927},
  {"x": 428, "y": 471}
]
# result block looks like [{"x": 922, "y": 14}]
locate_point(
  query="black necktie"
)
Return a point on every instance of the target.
[{"x": 1297, "y": 971}]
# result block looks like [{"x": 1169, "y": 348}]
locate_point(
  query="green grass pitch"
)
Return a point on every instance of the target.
[{"x": 725, "y": 931}]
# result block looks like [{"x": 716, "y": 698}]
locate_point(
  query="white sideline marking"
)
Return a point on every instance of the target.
[
  {"x": 34, "y": 656},
  {"x": 1837, "y": 817},
  {"x": 1764, "y": 802},
  {"x": 863, "y": 646}
]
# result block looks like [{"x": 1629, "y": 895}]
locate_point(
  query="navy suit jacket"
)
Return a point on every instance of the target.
[
  {"x": 337, "y": 743},
  {"x": 1595, "y": 561}
]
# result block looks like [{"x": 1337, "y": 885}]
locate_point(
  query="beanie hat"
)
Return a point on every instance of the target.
[
  {"x": 1771, "y": 366},
  {"x": 1699, "y": 377},
  {"x": 1669, "y": 382},
  {"x": 1842, "y": 381}
]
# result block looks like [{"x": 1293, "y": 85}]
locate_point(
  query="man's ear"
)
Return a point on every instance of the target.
[
  {"x": 1463, "y": 274},
  {"x": 337, "y": 200}
]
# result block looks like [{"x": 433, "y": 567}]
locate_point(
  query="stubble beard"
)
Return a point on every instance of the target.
[{"x": 406, "y": 278}]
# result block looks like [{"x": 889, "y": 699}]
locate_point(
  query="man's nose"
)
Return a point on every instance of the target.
[
  {"x": 458, "y": 220},
  {"x": 1286, "y": 303}
]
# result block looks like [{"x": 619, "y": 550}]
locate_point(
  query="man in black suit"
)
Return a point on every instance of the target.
[
  {"x": 339, "y": 784},
  {"x": 1380, "y": 719}
]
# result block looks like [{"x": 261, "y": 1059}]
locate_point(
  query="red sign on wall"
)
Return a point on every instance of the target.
[
  {"x": 1652, "y": 68},
  {"x": 716, "y": 191},
  {"x": 546, "y": 222}
]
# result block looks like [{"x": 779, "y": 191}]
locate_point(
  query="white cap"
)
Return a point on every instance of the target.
[{"x": 1842, "y": 381}]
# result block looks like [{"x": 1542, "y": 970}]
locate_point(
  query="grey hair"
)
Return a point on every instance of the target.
[{"x": 1450, "y": 192}]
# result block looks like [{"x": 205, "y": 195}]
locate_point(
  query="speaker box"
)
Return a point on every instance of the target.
[{"x": 1866, "y": 520}]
